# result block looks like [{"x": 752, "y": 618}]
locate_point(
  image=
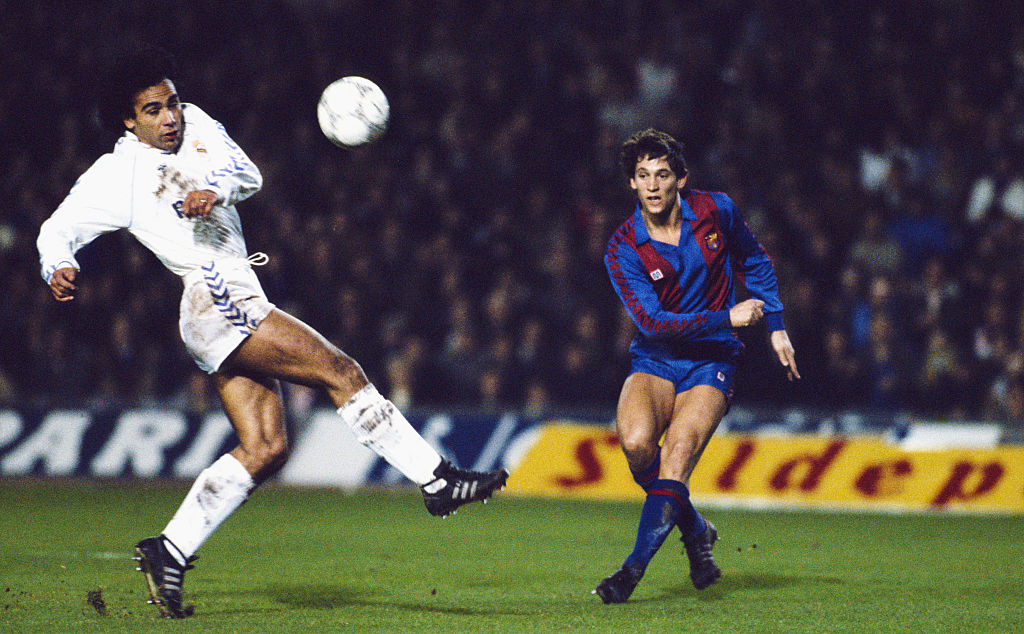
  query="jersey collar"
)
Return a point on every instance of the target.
[{"x": 640, "y": 227}]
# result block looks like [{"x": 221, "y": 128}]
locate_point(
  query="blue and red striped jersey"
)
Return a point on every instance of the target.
[{"x": 683, "y": 293}]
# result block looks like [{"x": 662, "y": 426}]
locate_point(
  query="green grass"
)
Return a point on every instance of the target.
[{"x": 320, "y": 560}]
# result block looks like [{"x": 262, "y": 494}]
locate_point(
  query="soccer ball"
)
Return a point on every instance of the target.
[{"x": 353, "y": 111}]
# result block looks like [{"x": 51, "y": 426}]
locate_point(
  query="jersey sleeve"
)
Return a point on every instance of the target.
[
  {"x": 629, "y": 278},
  {"x": 236, "y": 177},
  {"x": 751, "y": 263},
  {"x": 95, "y": 205}
]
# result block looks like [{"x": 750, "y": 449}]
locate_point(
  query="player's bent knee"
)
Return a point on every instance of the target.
[
  {"x": 270, "y": 455},
  {"x": 347, "y": 367},
  {"x": 679, "y": 451},
  {"x": 278, "y": 452},
  {"x": 344, "y": 373},
  {"x": 639, "y": 449},
  {"x": 632, "y": 444}
]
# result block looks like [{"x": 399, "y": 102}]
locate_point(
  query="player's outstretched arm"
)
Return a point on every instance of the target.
[
  {"x": 62, "y": 284},
  {"x": 784, "y": 349}
]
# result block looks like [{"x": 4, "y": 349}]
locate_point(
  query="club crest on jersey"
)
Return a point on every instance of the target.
[
  {"x": 656, "y": 275},
  {"x": 721, "y": 376},
  {"x": 712, "y": 241},
  {"x": 199, "y": 147}
]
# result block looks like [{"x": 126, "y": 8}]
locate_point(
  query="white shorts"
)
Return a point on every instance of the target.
[{"x": 222, "y": 304}]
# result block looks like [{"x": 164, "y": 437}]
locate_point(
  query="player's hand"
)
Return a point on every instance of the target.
[
  {"x": 199, "y": 203},
  {"x": 746, "y": 313},
  {"x": 784, "y": 349},
  {"x": 62, "y": 284}
]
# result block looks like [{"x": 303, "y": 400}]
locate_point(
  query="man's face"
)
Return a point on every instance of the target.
[
  {"x": 656, "y": 185},
  {"x": 158, "y": 121}
]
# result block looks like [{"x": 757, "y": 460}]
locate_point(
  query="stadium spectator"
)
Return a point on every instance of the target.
[
  {"x": 943, "y": 378},
  {"x": 843, "y": 370},
  {"x": 886, "y": 364},
  {"x": 874, "y": 251}
]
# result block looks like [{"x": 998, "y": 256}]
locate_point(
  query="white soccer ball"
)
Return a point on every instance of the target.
[{"x": 353, "y": 111}]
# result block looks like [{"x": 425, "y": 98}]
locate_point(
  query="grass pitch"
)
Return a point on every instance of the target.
[{"x": 320, "y": 561}]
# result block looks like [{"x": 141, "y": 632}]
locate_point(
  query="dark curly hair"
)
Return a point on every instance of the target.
[
  {"x": 651, "y": 143},
  {"x": 125, "y": 73}
]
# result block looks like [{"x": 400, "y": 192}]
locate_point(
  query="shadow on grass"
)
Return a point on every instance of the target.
[
  {"x": 742, "y": 582},
  {"x": 329, "y": 597}
]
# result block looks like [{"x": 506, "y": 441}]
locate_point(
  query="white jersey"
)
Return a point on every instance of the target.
[{"x": 142, "y": 189}]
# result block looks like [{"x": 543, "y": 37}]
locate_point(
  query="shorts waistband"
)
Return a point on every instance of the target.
[{"x": 231, "y": 264}]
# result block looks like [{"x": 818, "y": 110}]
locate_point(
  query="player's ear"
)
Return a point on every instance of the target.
[
  {"x": 682, "y": 181},
  {"x": 632, "y": 183},
  {"x": 130, "y": 124}
]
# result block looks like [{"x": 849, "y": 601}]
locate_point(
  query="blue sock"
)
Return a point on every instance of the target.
[
  {"x": 664, "y": 503},
  {"x": 647, "y": 476},
  {"x": 690, "y": 521}
]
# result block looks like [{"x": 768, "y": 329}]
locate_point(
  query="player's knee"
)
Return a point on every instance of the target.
[
  {"x": 639, "y": 449},
  {"x": 271, "y": 455},
  {"x": 343, "y": 372},
  {"x": 278, "y": 453},
  {"x": 680, "y": 450}
]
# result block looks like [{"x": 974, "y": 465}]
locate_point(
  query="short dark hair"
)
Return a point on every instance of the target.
[
  {"x": 125, "y": 74},
  {"x": 651, "y": 143}
]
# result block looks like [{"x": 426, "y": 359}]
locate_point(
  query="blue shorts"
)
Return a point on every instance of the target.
[{"x": 686, "y": 373}]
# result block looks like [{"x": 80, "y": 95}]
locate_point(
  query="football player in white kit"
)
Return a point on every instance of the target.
[{"x": 172, "y": 181}]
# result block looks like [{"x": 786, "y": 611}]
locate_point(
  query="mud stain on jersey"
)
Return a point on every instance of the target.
[
  {"x": 211, "y": 230},
  {"x": 173, "y": 183},
  {"x": 208, "y": 231}
]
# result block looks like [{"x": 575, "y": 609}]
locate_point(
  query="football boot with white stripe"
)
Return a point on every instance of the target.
[
  {"x": 703, "y": 569},
  {"x": 453, "y": 487},
  {"x": 164, "y": 576}
]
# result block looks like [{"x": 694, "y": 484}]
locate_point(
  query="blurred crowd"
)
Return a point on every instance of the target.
[{"x": 875, "y": 148}]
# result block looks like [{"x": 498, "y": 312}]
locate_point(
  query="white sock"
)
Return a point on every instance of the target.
[
  {"x": 378, "y": 424},
  {"x": 217, "y": 493}
]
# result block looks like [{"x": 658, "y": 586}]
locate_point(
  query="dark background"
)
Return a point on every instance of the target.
[{"x": 874, "y": 147}]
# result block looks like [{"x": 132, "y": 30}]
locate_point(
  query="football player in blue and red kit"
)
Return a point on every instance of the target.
[{"x": 674, "y": 264}]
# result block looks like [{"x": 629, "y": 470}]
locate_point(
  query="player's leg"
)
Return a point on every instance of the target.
[
  {"x": 255, "y": 410},
  {"x": 287, "y": 348},
  {"x": 648, "y": 405},
  {"x": 696, "y": 415},
  {"x": 644, "y": 411},
  {"x": 698, "y": 412},
  {"x": 644, "y": 467},
  {"x": 284, "y": 347},
  {"x": 645, "y": 408}
]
